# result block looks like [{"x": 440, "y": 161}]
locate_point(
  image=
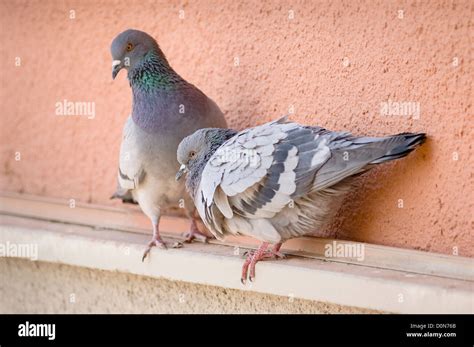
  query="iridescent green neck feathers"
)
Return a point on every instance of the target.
[{"x": 154, "y": 73}]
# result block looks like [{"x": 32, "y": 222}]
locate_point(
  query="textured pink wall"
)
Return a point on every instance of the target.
[{"x": 334, "y": 61}]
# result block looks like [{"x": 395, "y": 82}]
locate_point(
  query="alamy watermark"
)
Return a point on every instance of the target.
[
  {"x": 400, "y": 108},
  {"x": 244, "y": 156},
  {"x": 75, "y": 108},
  {"x": 345, "y": 250},
  {"x": 28, "y": 329},
  {"x": 22, "y": 250}
]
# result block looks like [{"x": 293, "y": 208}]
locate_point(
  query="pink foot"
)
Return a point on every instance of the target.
[
  {"x": 275, "y": 253},
  {"x": 253, "y": 257},
  {"x": 155, "y": 241}
]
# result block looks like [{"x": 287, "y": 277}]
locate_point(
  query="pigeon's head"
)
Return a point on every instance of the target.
[
  {"x": 191, "y": 149},
  {"x": 195, "y": 150},
  {"x": 129, "y": 48}
]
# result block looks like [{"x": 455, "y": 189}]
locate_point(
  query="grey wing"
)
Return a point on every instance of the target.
[
  {"x": 254, "y": 175},
  {"x": 257, "y": 173},
  {"x": 130, "y": 172}
]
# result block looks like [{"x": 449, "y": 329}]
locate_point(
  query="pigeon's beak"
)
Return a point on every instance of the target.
[
  {"x": 116, "y": 67},
  {"x": 182, "y": 170}
]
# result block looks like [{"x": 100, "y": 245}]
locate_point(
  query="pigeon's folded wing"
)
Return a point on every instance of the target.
[
  {"x": 130, "y": 172},
  {"x": 257, "y": 173}
]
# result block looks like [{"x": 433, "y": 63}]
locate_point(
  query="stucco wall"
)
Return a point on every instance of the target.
[
  {"x": 335, "y": 62},
  {"x": 36, "y": 287}
]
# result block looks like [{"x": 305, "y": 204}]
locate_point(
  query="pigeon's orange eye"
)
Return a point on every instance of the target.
[
  {"x": 129, "y": 47},
  {"x": 192, "y": 154}
]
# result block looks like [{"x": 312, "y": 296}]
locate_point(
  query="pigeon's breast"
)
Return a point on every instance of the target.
[{"x": 179, "y": 112}]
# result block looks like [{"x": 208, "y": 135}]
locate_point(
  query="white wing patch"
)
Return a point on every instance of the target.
[{"x": 322, "y": 153}]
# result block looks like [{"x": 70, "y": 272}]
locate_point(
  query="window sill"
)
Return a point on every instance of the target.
[{"x": 446, "y": 286}]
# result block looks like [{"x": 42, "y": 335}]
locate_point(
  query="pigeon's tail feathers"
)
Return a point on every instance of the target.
[
  {"x": 400, "y": 145},
  {"x": 356, "y": 155}
]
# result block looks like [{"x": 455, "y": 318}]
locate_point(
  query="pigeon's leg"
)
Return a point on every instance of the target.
[
  {"x": 156, "y": 240},
  {"x": 251, "y": 261},
  {"x": 274, "y": 253},
  {"x": 194, "y": 233}
]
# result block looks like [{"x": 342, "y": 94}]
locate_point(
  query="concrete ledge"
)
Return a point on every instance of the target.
[
  {"x": 131, "y": 219},
  {"x": 218, "y": 265}
]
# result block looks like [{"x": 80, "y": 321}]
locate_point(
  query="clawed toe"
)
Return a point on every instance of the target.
[
  {"x": 145, "y": 254},
  {"x": 253, "y": 257},
  {"x": 158, "y": 243}
]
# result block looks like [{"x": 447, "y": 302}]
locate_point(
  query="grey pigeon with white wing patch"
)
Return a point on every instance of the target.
[
  {"x": 278, "y": 181},
  {"x": 166, "y": 108}
]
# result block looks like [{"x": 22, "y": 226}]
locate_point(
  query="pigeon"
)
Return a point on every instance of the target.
[
  {"x": 165, "y": 109},
  {"x": 279, "y": 180}
]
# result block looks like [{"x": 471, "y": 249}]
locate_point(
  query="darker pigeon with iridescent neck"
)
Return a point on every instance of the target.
[{"x": 166, "y": 108}]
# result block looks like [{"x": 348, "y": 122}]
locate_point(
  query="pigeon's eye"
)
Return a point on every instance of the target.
[
  {"x": 192, "y": 154},
  {"x": 129, "y": 47}
]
